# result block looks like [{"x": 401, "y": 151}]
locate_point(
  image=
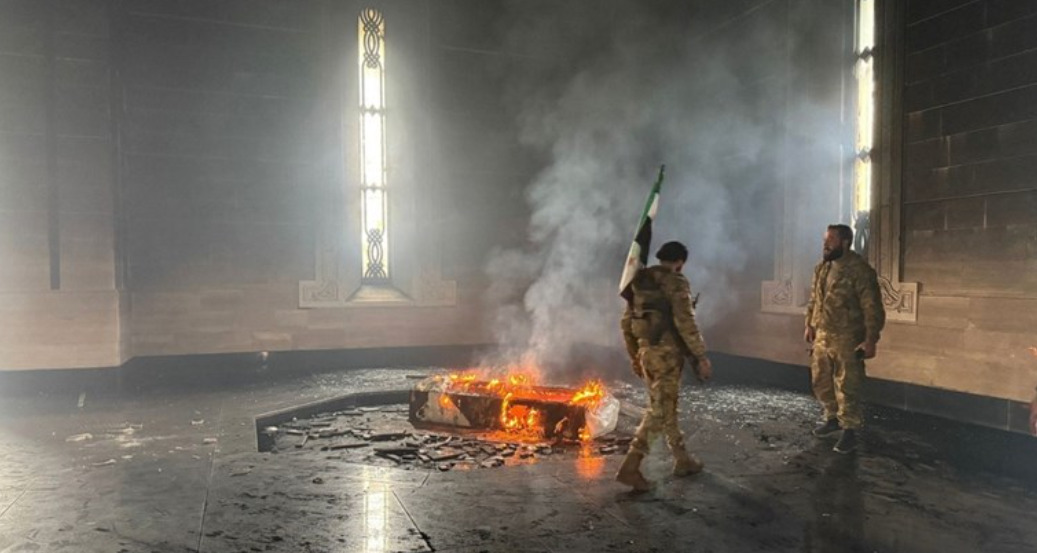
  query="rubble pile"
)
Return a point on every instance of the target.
[{"x": 382, "y": 435}]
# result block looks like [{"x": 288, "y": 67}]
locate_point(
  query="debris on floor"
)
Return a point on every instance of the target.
[{"x": 383, "y": 436}]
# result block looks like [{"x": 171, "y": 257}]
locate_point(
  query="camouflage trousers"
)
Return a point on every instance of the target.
[
  {"x": 837, "y": 377},
  {"x": 662, "y": 373}
]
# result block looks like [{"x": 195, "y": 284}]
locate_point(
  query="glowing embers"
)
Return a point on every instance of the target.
[{"x": 514, "y": 405}]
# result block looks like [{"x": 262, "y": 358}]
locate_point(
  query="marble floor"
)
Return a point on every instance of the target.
[{"x": 177, "y": 470}]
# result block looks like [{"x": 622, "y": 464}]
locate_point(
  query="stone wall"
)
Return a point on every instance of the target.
[{"x": 59, "y": 301}]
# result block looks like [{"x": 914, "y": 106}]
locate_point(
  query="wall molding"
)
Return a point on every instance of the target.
[
  {"x": 901, "y": 299},
  {"x": 332, "y": 285},
  {"x": 782, "y": 296},
  {"x": 338, "y": 284}
]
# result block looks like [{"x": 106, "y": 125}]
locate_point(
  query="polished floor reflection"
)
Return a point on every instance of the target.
[{"x": 178, "y": 471}]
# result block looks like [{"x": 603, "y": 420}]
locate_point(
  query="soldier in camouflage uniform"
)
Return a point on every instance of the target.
[
  {"x": 844, "y": 319},
  {"x": 659, "y": 331},
  {"x": 1033, "y": 404},
  {"x": 1033, "y": 415}
]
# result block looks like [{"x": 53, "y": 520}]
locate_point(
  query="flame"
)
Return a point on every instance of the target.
[
  {"x": 588, "y": 465},
  {"x": 1033, "y": 351},
  {"x": 518, "y": 385},
  {"x": 521, "y": 420},
  {"x": 590, "y": 395}
]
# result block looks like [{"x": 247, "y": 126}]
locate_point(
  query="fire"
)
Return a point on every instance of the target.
[
  {"x": 515, "y": 385},
  {"x": 591, "y": 394},
  {"x": 1033, "y": 351},
  {"x": 521, "y": 420}
]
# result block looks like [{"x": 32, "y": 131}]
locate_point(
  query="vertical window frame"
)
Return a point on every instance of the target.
[
  {"x": 865, "y": 117},
  {"x": 373, "y": 171}
]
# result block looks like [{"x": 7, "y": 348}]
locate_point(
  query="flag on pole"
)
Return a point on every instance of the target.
[{"x": 637, "y": 258}]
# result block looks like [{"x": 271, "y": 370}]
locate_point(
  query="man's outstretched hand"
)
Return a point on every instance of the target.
[{"x": 704, "y": 369}]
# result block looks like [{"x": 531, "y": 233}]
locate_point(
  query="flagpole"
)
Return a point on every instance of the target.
[{"x": 637, "y": 257}]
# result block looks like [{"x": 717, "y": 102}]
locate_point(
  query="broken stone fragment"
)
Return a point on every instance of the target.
[
  {"x": 446, "y": 455},
  {"x": 492, "y": 463},
  {"x": 397, "y": 450},
  {"x": 387, "y": 436},
  {"x": 350, "y": 445}
]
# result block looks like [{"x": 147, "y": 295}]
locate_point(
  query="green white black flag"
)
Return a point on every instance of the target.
[{"x": 637, "y": 258}]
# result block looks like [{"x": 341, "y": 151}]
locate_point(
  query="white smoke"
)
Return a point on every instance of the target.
[{"x": 653, "y": 91}]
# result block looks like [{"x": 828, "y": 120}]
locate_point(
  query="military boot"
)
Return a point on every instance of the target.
[
  {"x": 827, "y": 428},
  {"x": 630, "y": 473},
  {"x": 685, "y": 464},
  {"x": 847, "y": 442}
]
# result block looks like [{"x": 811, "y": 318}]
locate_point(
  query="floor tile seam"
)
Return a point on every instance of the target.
[
  {"x": 24, "y": 491},
  {"x": 209, "y": 480},
  {"x": 425, "y": 537}
]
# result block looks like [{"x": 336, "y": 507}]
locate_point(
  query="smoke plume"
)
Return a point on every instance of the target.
[{"x": 608, "y": 97}]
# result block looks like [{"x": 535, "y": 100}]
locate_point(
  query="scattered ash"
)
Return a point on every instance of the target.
[
  {"x": 740, "y": 404},
  {"x": 730, "y": 404}
]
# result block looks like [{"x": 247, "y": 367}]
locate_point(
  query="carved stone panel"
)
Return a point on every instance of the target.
[
  {"x": 900, "y": 299},
  {"x": 780, "y": 296}
]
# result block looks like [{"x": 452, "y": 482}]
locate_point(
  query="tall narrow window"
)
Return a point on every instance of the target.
[
  {"x": 864, "y": 70},
  {"x": 373, "y": 186}
]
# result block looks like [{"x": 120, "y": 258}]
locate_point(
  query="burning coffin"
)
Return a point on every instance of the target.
[{"x": 515, "y": 406}]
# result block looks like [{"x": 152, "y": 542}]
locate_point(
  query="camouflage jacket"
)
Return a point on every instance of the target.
[
  {"x": 681, "y": 331},
  {"x": 845, "y": 301}
]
